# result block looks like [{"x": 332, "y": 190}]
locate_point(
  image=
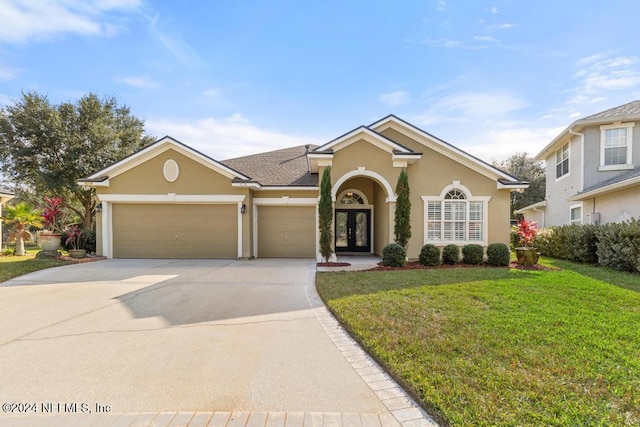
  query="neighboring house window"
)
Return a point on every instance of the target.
[
  {"x": 615, "y": 146},
  {"x": 455, "y": 216},
  {"x": 562, "y": 161},
  {"x": 575, "y": 214}
]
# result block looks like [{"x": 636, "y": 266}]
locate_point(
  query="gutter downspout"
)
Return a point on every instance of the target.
[{"x": 582, "y": 162}]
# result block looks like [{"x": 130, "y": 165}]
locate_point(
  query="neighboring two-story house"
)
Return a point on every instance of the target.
[{"x": 593, "y": 170}]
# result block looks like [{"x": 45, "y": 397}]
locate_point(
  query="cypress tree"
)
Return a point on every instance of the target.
[
  {"x": 402, "y": 226},
  {"x": 325, "y": 215}
]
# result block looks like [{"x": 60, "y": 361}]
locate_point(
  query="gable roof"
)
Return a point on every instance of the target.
[
  {"x": 626, "y": 112},
  {"x": 286, "y": 167},
  {"x": 449, "y": 150},
  {"x": 619, "y": 182},
  {"x": 165, "y": 143}
]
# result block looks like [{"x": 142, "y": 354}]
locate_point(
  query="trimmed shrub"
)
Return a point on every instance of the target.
[
  {"x": 450, "y": 254},
  {"x": 472, "y": 254},
  {"x": 430, "y": 255},
  {"x": 498, "y": 255},
  {"x": 87, "y": 241},
  {"x": 394, "y": 255},
  {"x": 618, "y": 245}
]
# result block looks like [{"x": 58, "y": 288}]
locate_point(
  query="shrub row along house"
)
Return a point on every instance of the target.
[
  {"x": 593, "y": 171},
  {"x": 171, "y": 201}
]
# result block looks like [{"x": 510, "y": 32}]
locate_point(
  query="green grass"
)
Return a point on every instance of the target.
[
  {"x": 14, "y": 266},
  {"x": 494, "y": 346}
]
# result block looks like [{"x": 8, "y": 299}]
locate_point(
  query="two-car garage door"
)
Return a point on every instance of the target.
[{"x": 175, "y": 231}]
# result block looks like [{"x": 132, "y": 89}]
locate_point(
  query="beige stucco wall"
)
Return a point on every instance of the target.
[{"x": 427, "y": 177}]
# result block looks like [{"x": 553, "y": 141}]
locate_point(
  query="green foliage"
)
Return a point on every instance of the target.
[
  {"x": 524, "y": 166},
  {"x": 571, "y": 242},
  {"x": 87, "y": 241},
  {"x": 498, "y": 255},
  {"x": 450, "y": 254},
  {"x": 472, "y": 254},
  {"x": 402, "y": 226},
  {"x": 325, "y": 215},
  {"x": 619, "y": 245},
  {"x": 394, "y": 255},
  {"x": 429, "y": 255},
  {"x": 21, "y": 217},
  {"x": 49, "y": 147}
]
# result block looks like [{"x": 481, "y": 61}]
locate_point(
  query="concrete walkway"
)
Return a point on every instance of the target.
[{"x": 186, "y": 342}]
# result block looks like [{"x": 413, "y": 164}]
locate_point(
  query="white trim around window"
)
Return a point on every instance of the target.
[
  {"x": 614, "y": 139},
  {"x": 577, "y": 219},
  {"x": 562, "y": 158},
  {"x": 456, "y": 216}
]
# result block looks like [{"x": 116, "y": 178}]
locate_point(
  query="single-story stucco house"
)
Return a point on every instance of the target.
[{"x": 170, "y": 201}]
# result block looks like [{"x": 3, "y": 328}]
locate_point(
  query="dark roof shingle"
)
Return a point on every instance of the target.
[
  {"x": 633, "y": 173},
  {"x": 275, "y": 168}
]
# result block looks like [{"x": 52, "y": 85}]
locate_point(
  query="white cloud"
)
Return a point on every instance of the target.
[
  {"x": 470, "y": 106},
  {"x": 494, "y": 10},
  {"x": 226, "y": 138},
  {"x": 500, "y": 144},
  {"x": 600, "y": 74},
  {"x": 449, "y": 43},
  {"x": 442, "y": 5},
  {"x": 484, "y": 38},
  {"x": 395, "y": 99},
  {"x": 26, "y": 20},
  {"x": 211, "y": 93},
  {"x": 139, "y": 82},
  {"x": 174, "y": 43}
]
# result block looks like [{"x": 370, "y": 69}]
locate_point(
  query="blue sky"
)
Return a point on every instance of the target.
[{"x": 233, "y": 78}]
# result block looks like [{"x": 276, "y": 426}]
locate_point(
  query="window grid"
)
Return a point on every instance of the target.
[
  {"x": 562, "y": 161},
  {"x": 615, "y": 146},
  {"x": 455, "y": 219}
]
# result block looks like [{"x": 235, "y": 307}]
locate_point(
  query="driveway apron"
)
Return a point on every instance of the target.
[{"x": 177, "y": 335}]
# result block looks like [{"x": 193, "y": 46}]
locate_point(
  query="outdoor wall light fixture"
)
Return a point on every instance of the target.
[
  {"x": 99, "y": 207},
  {"x": 243, "y": 209}
]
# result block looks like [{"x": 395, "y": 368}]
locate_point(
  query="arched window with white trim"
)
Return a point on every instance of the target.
[{"x": 455, "y": 216}]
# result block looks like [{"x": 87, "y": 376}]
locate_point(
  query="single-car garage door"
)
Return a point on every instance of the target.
[
  {"x": 286, "y": 232},
  {"x": 175, "y": 231}
]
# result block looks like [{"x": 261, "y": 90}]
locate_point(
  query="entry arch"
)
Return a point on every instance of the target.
[{"x": 391, "y": 197}]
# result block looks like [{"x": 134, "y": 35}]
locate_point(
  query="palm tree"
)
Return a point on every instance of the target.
[{"x": 22, "y": 216}]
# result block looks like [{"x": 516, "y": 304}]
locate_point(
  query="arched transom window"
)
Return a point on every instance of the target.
[
  {"x": 455, "y": 216},
  {"x": 352, "y": 197}
]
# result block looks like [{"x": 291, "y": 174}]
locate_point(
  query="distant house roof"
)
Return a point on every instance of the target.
[
  {"x": 628, "y": 111},
  {"x": 6, "y": 191},
  {"x": 286, "y": 167},
  {"x": 619, "y": 182}
]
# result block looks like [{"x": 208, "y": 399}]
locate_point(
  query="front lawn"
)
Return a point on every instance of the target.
[
  {"x": 494, "y": 346},
  {"x": 14, "y": 266}
]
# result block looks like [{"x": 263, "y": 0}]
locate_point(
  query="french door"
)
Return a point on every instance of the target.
[{"x": 353, "y": 230}]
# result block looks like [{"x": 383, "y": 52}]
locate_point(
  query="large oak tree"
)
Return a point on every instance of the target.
[
  {"x": 48, "y": 147},
  {"x": 523, "y": 166}
]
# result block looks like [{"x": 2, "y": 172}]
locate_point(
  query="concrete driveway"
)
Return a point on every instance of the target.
[{"x": 184, "y": 335}]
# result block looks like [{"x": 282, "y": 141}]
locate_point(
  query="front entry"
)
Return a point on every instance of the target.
[{"x": 353, "y": 230}]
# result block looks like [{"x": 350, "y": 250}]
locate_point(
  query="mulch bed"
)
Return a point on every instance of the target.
[
  {"x": 334, "y": 264},
  {"x": 415, "y": 265},
  {"x": 88, "y": 258}
]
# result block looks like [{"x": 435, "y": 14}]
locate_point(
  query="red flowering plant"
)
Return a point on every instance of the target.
[
  {"x": 73, "y": 236},
  {"x": 527, "y": 231},
  {"x": 52, "y": 214}
]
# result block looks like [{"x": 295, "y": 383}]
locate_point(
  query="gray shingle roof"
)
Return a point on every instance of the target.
[
  {"x": 634, "y": 173},
  {"x": 630, "y": 109},
  {"x": 275, "y": 168},
  {"x": 4, "y": 190}
]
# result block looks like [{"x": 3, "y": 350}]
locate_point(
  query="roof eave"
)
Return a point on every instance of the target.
[{"x": 606, "y": 189}]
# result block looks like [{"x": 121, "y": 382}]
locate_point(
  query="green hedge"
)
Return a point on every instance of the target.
[
  {"x": 615, "y": 245},
  {"x": 498, "y": 254},
  {"x": 429, "y": 255},
  {"x": 619, "y": 245},
  {"x": 472, "y": 254}
]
